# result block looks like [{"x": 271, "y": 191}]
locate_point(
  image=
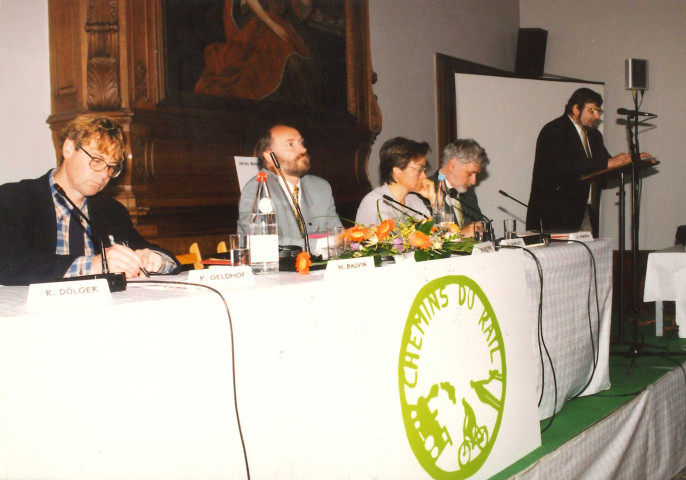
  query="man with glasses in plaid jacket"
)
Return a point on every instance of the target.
[{"x": 42, "y": 238}]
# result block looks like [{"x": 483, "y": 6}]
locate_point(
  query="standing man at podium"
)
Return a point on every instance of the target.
[{"x": 567, "y": 148}]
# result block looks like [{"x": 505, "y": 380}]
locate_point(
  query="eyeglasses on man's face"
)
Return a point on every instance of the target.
[{"x": 98, "y": 164}]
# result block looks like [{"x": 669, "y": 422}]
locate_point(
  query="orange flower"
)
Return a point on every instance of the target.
[
  {"x": 384, "y": 228},
  {"x": 453, "y": 228},
  {"x": 358, "y": 233},
  {"x": 419, "y": 240},
  {"x": 303, "y": 263}
]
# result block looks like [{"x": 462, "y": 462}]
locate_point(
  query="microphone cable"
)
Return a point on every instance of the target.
[
  {"x": 541, "y": 339},
  {"x": 595, "y": 347},
  {"x": 233, "y": 353}
]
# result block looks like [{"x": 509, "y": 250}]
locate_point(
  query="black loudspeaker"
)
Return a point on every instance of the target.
[
  {"x": 681, "y": 235},
  {"x": 636, "y": 74},
  {"x": 531, "y": 44}
]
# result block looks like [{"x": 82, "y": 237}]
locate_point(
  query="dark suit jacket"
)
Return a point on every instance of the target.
[
  {"x": 558, "y": 197},
  {"x": 470, "y": 204},
  {"x": 28, "y": 231}
]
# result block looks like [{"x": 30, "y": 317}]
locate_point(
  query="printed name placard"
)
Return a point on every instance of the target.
[
  {"x": 246, "y": 168},
  {"x": 223, "y": 277},
  {"x": 483, "y": 247},
  {"x": 512, "y": 242},
  {"x": 583, "y": 236},
  {"x": 71, "y": 293},
  {"x": 348, "y": 265}
]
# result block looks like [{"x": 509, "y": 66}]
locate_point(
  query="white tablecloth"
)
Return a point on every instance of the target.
[
  {"x": 666, "y": 281},
  {"x": 569, "y": 313},
  {"x": 149, "y": 377}
]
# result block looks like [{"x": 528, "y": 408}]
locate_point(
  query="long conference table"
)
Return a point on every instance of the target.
[{"x": 304, "y": 376}]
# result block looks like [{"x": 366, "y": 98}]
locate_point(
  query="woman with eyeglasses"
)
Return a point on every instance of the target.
[{"x": 406, "y": 190}]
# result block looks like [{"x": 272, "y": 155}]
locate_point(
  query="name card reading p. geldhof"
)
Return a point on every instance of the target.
[
  {"x": 348, "y": 265},
  {"x": 223, "y": 277},
  {"x": 72, "y": 293}
]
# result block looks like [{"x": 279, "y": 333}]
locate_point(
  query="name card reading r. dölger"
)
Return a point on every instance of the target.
[
  {"x": 73, "y": 293},
  {"x": 223, "y": 276}
]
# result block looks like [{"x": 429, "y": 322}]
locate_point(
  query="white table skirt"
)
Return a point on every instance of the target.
[
  {"x": 666, "y": 281},
  {"x": 182, "y": 353},
  {"x": 568, "y": 300}
]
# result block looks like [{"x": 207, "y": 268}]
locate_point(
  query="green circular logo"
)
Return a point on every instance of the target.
[{"x": 452, "y": 377}]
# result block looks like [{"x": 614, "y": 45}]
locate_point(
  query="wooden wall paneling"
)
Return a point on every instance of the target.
[{"x": 180, "y": 183}]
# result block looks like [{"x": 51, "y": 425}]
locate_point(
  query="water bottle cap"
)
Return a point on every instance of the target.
[
  {"x": 261, "y": 176},
  {"x": 441, "y": 177}
]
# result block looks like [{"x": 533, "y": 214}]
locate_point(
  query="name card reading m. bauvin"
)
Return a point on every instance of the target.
[
  {"x": 223, "y": 277},
  {"x": 346, "y": 266},
  {"x": 73, "y": 293}
]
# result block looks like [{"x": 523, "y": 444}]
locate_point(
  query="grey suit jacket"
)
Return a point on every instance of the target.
[{"x": 316, "y": 204}]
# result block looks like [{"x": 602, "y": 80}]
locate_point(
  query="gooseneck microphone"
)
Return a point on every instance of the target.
[
  {"x": 116, "y": 281},
  {"x": 513, "y": 198},
  {"x": 633, "y": 113},
  {"x": 393, "y": 200},
  {"x": 544, "y": 237},
  {"x": 298, "y": 212}
]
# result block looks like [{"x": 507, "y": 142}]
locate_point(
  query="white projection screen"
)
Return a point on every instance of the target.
[{"x": 505, "y": 115}]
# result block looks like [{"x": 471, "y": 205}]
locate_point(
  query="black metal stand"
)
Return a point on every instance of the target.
[{"x": 637, "y": 348}]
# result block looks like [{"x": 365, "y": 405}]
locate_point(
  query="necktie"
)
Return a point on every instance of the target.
[
  {"x": 296, "y": 201},
  {"x": 586, "y": 146},
  {"x": 457, "y": 206},
  {"x": 76, "y": 245}
]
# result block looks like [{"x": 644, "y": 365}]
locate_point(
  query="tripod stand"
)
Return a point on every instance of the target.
[{"x": 636, "y": 346}]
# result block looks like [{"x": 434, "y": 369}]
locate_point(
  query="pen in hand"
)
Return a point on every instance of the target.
[{"x": 126, "y": 244}]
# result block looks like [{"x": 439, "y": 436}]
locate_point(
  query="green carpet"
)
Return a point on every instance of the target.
[{"x": 579, "y": 414}]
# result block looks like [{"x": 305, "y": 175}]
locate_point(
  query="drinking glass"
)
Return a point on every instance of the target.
[{"x": 239, "y": 246}]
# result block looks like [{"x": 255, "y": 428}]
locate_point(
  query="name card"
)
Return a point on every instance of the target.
[
  {"x": 223, "y": 277},
  {"x": 71, "y": 293},
  {"x": 483, "y": 247},
  {"x": 512, "y": 242},
  {"x": 583, "y": 236},
  {"x": 347, "y": 265},
  {"x": 246, "y": 168}
]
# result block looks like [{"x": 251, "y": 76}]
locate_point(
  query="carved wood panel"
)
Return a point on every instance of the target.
[{"x": 180, "y": 183}]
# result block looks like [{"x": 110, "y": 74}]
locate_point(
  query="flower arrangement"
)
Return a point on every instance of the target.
[{"x": 389, "y": 238}]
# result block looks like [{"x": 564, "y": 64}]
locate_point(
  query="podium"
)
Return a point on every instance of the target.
[{"x": 634, "y": 167}]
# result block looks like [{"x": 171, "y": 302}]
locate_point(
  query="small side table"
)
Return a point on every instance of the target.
[{"x": 666, "y": 281}]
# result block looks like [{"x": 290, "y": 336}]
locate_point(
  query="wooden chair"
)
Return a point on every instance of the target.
[{"x": 193, "y": 257}]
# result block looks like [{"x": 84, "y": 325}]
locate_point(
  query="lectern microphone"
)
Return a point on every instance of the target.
[{"x": 633, "y": 113}]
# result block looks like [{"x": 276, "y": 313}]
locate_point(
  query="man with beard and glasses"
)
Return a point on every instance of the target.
[
  {"x": 567, "y": 148},
  {"x": 312, "y": 193}
]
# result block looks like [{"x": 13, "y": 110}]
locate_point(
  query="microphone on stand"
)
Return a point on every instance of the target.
[
  {"x": 393, "y": 200},
  {"x": 634, "y": 113},
  {"x": 510, "y": 196},
  {"x": 116, "y": 281},
  {"x": 298, "y": 213},
  {"x": 474, "y": 212},
  {"x": 545, "y": 238}
]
